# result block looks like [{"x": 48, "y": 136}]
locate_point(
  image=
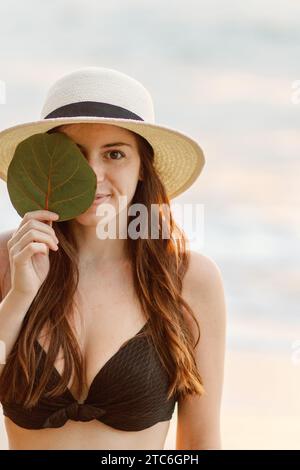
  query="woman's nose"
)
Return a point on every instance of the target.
[{"x": 99, "y": 168}]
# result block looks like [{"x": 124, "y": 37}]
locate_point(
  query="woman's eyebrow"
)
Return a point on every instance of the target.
[{"x": 113, "y": 144}]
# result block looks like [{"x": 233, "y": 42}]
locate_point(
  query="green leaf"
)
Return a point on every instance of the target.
[{"x": 48, "y": 171}]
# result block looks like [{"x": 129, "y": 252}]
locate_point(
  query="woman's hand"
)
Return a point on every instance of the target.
[{"x": 29, "y": 251}]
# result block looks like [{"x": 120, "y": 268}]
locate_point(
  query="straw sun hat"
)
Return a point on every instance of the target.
[{"x": 102, "y": 95}]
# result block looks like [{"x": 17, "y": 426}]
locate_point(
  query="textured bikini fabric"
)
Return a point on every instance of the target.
[{"x": 128, "y": 393}]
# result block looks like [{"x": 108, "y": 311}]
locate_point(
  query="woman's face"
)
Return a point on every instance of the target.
[{"x": 117, "y": 166}]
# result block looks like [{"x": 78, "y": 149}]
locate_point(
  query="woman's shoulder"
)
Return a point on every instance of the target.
[
  {"x": 202, "y": 271},
  {"x": 203, "y": 290},
  {"x": 4, "y": 238},
  {"x": 4, "y": 257}
]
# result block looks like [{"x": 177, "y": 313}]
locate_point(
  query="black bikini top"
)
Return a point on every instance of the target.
[{"x": 129, "y": 393}]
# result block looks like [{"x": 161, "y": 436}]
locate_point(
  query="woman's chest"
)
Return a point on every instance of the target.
[
  {"x": 106, "y": 311},
  {"x": 105, "y": 316}
]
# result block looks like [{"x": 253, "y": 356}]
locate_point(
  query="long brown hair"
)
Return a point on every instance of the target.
[{"x": 159, "y": 265}]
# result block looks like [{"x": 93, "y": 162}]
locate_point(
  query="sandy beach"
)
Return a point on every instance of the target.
[{"x": 261, "y": 407}]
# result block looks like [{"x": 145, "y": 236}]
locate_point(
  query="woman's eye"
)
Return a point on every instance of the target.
[
  {"x": 116, "y": 151},
  {"x": 122, "y": 154}
]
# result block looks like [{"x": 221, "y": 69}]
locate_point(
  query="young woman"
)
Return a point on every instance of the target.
[{"x": 102, "y": 335}]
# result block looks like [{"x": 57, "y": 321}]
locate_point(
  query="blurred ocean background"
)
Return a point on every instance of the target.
[{"x": 223, "y": 73}]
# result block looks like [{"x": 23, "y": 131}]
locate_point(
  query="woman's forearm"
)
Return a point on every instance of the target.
[{"x": 13, "y": 309}]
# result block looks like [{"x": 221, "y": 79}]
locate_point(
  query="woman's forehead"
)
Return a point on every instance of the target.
[
  {"x": 100, "y": 133},
  {"x": 94, "y": 128}
]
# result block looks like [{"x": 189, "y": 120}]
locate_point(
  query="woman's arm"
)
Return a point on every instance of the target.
[
  {"x": 13, "y": 308},
  {"x": 198, "y": 423}
]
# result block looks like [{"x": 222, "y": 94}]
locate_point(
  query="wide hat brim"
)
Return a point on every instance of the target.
[{"x": 178, "y": 158}]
